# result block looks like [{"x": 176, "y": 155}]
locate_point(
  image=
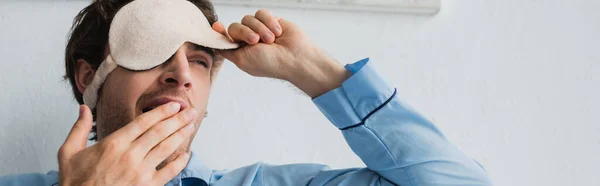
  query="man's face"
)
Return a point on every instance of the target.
[{"x": 126, "y": 94}]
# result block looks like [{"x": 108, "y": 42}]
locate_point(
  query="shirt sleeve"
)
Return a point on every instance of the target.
[
  {"x": 48, "y": 179},
  {"x": 394, "y": 141}
]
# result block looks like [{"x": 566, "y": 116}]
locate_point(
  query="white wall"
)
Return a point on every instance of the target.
[{"x": 514, "y": 83}]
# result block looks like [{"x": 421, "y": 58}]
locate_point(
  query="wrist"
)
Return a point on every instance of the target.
[{"x": 318, "y": 75}]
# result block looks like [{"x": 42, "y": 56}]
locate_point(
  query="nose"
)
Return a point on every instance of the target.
[{"x": 177, "y": 72}]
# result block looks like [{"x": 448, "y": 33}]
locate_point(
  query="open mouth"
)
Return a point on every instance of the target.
[
  {"x": 154, "y": 103},
  {"x": 148, "y": 109}
]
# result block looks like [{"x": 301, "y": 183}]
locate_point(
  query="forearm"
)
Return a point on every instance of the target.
[{"x": 391, "y": 139}]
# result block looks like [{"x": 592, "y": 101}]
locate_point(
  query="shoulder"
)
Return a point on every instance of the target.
[{"x": 48, "y": 179}]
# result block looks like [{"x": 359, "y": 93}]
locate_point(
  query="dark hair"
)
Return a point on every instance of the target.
[{"x": 88, "y": 37}]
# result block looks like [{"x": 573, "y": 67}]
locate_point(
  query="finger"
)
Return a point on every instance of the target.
[
  {"x": 173, "y": 168},
  {"x": 260, "y": 28},
  {"x": 270, "y": 21},
  {"x": 142, "y": 123},
  {"x": 218, "y": 26},
  {"x": 239, "y": 32},
  {"x": 77, "y": 138},
  {"x": 162, "y": 130},
  {"x": 166, "y": 147}
]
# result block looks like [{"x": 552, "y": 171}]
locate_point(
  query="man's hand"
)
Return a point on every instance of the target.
[
  {"x": 130, "y": 155},
  {"x": 277, "y": 48}
]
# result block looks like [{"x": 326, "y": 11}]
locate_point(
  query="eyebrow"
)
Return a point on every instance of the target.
[
  {"x": 198, "y": 48},
  {"x": 204, "y": 49}
]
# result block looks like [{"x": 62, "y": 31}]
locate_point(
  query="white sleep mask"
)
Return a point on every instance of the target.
[{"x": 146, "y": 33}]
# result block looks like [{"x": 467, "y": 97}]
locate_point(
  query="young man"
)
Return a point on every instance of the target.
[{"x": 146, "y": 117}]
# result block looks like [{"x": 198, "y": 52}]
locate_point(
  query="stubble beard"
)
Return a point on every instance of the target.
[{"x": 112, "y": 115}]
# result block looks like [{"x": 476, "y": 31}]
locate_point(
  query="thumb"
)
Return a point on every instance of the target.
[
  {"x": 77, "y": 138},
  {"x": 231, "y": 55},
  {"x": 287, "y": 26}
]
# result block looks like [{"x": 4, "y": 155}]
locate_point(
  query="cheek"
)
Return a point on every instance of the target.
[
  {"x": 202, "y": 90},
  {"x": 125, "y": 87},
  {"x": 116, "y": 106}
]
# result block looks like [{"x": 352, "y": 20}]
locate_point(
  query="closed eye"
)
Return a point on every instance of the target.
[{"x": 203, "y": 63}]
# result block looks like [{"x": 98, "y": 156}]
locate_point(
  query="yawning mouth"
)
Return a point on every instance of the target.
[
  {"x": 148, "y": 109},
  {"x": 152, "y": 104}
]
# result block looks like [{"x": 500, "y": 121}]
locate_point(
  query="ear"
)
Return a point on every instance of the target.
[{"x": 84, "y": 74}]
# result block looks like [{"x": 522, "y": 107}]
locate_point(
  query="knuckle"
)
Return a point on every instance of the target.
[
  {"x": 164, "y": 148},
  {"x": 137, "y": 129},
  {"x": 273, "y": 22},
  {"x": 233, "y": 29},
  {"x": 110, "y": 144},
  {"x": 161, "y": 131},
  {"x": 137, "y": 181},
  {"x": 62, "y": 151},
  {"x": 232, "y": 26},
  {"x": 141, "y": 120},
  {"x": 77, "y": 125},
  {"x": 261, "y": 12},
  {"x": 141, "y": 179},
  {"x": 246, "y": 30},
  {"x": 140, "y": 123},
  {"x": 247, "y": 18},
  {"x": 128, "y": 158},
  {"x": 183, "y": 118}
]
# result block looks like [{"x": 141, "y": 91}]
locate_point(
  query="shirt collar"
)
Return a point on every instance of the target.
[{"x": 194, "y": 169}]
